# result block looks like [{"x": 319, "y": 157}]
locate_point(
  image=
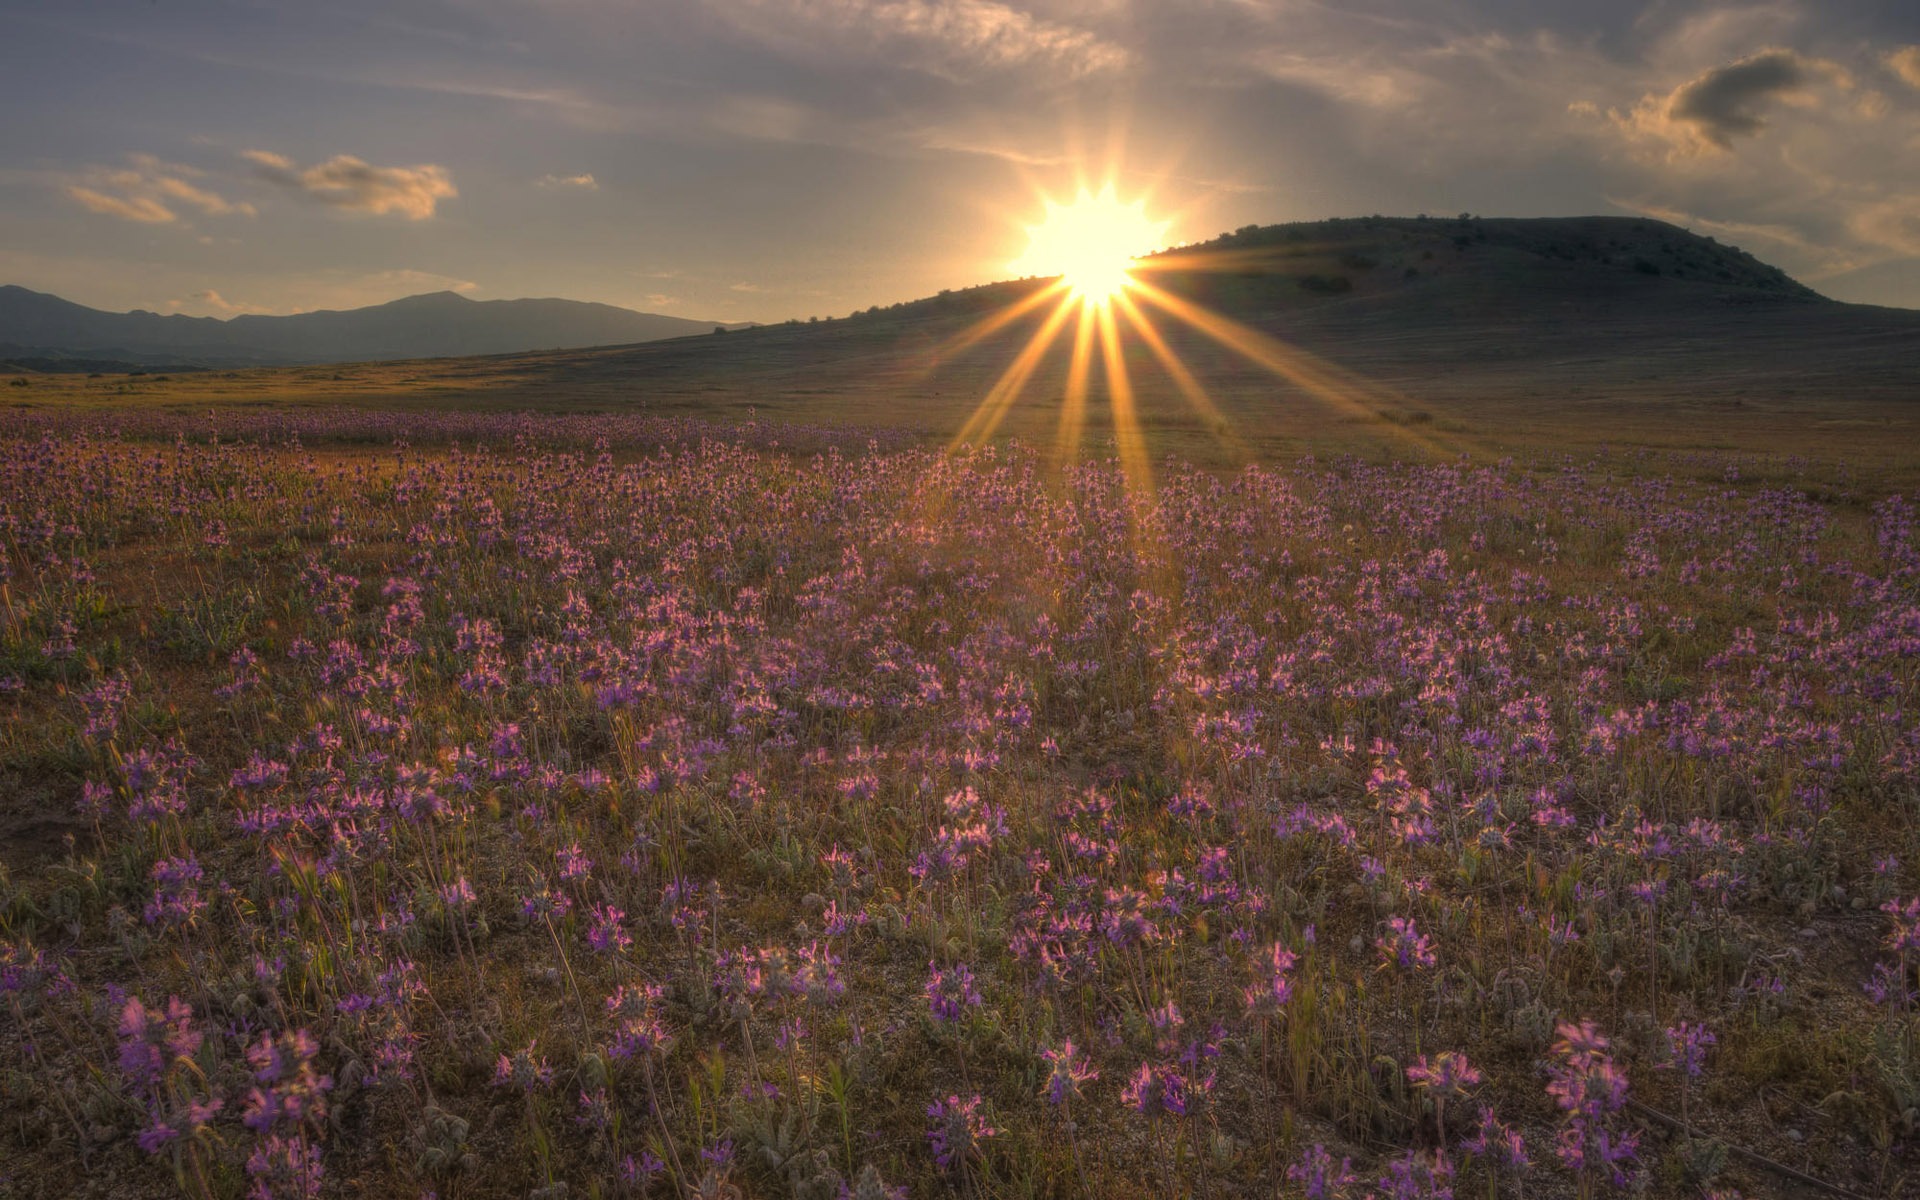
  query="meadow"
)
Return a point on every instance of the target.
[{"x": 477, "y": 804}]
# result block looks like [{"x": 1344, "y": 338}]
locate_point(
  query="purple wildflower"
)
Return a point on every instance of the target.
[
  {"x": 1067, "y": 1069},
  {"x": 957, "y": 1131},
  {"x": 950, "y": 992}
]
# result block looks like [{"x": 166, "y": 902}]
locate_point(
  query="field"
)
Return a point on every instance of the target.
[{"x": 478, "y": 804}]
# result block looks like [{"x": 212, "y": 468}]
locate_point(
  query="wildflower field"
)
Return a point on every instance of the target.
[{"x": 477, "y": 806}]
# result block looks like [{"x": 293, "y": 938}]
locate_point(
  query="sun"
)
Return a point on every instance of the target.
[{"x": 1091, "y": 243}]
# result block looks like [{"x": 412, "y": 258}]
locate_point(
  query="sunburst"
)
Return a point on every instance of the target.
[
  {"x": 1093, "y": 248},
  {"x": 1091, "y": 242}
]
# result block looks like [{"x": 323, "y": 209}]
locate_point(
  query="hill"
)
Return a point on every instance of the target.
[
  {"x": 1520, "y": 317},
  {"x": 41, "y": 331},
  {"x": 1451, "y": 334}
]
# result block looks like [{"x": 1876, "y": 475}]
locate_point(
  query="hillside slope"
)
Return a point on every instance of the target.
[{"x": 1489, "y": 311}]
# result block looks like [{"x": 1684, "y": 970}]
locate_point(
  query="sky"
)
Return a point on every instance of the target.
[{"x": 768, "y": 159}]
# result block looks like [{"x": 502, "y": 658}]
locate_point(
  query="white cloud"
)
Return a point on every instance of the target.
[
  {"x": 148, "y": 192},
  {"x": 951, "y": 38},
  {"x": 1711, "y": 33},
  {"x": 965, "y": 141},
  {"x": 1893, "y": 223},
  {"x": 207, "y": 202},
  {"x": 581, "y": 182},
  {"x": 339, "y": 289},
  {"x": 144, "y": 209},
  {"x": 1905, "y": 62},
  {"x": 408, "y": 282},
  {"x": 768, "y": 119},
  {"x": 1784, "y": 235},
  {"x": 213, "y": 304},
  {"x": 355, "y": 185},
  {"x": 1384, "y": 85}
]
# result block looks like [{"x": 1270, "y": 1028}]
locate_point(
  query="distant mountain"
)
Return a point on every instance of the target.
[{"x": 41, "y": 331}]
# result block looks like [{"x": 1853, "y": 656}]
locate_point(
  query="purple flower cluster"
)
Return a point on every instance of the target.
[
  {"x": 957, "y": 1131},
  {"x": 1589, "y": 1088},
  {"x": 950, "y": 991}
]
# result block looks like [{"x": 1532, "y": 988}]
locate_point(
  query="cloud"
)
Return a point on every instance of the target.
[
  {"x": 206, "y": 201},
  {"x": 962, "y": 142},
  {"x": 215, "y": 303},
  {"x": 1371, "y": 86},
  {"x": 410, "y": 282},
  {"x": 1757, "y": 122},
  {"x": 1784, "y": 235},
  {"x": 1905, "y": 62},
  {"x": 583, "y": 182},
  {"x": 144, "y": 209},
  {"x": 346, "y": 182},
  {"x": 952, "y": 38},
  {"x": 1893, "y": 224},
  {"x": 342, "y": 289},
  {"x": 1724, "y": 104},
  {"x": 148, "y": 192},
  {"x": 1827, "y": 180},
  {"x": 1708, "y": 112},
  {"x": 767, "y": 119},
  {"x": 1687, "y": 37},
  {"x": 330, "y": 288}
]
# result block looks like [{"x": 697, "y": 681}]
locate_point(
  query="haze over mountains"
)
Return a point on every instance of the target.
[{"x": 45, "y": 332}]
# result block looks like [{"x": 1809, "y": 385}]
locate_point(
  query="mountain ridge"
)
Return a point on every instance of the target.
[
  {"x": 48, "y": 330},
  {"x": 1472, "y": 315},
  {"x": 1330, "y": 329}
]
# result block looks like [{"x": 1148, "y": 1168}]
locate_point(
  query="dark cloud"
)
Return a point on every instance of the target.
[{"x": 1727, "y": 102}]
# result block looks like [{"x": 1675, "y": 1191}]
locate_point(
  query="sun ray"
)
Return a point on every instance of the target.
[
  {"x": 1127, "y": 436},
  {"x": 994, "y": 322},
  {"x": 1183, "y": 379},
  {"x": 1289, "y": 362},
  {"x": 1136, "y": 466},
  {"x": 1236, "y": 259},
  {"x": 1073, "y": 408},
  {"x": 1345, "y": 390},
  {"x": 987, "y": 417}
]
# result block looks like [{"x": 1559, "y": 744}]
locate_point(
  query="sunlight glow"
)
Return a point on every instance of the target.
[
  {"x": 1091, "y": 243},
  {"x": 1086, "y": 250}
]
